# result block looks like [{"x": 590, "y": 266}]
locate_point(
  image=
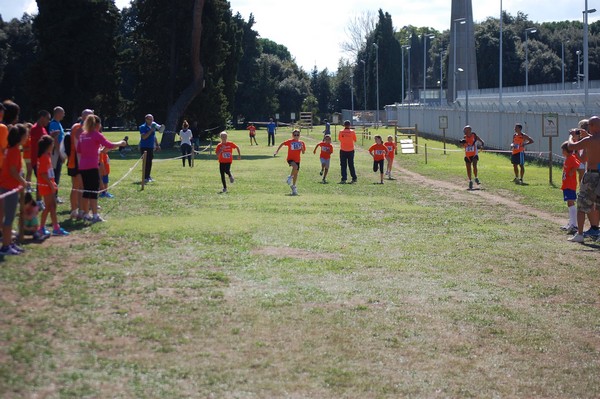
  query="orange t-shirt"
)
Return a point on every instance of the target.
[
  {"x": 391, "y": 147},
  {"x": 326, "y": 150},
  {"x": 11, "y": 158},
  {"x": 105, "y": 161},
  {"x": 569, "y": 178},
  {"x": 470, "y": 145},
  {"x": 295, "y": 149},
  {"x": 347, "y": 138},
  {"x": 226, "y": 155},
  {"x": 27, "y": 149},
  {"x": 379, "y": 151},
  {"x": 252, "y": 130},
  {"x": 75, "y": 132},
  {"x": 518, "y": 146},
  {"x": 3, "y": 141},
  {"x": 44, "y": 166}
]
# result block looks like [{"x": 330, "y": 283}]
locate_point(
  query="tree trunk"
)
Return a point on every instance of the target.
[{"x": 195, "y": 87}]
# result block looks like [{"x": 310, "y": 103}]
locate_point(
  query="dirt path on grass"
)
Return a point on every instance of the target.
[{"x": 459, "y": 192}]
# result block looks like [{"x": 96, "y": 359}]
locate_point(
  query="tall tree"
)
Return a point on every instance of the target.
[{"x": 78, "y": 56}]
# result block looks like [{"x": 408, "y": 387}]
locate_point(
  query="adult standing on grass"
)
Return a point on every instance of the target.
[
  {"x": 588, "y": 198},
  {"x": 186, "y": 143},
  {"x": 37, "y": 131},
  {"x": 73, "y": 165},
  {"x": 520, "y": 140},
  {"x": 469, "y": 143},
  {"x": 88, "y": 146},
  {"x": 271, "y": 130},
  {"x": 57, "y": 132},
  {"x": 149, "y": 144},
  {"x": 347, "y": 138}
]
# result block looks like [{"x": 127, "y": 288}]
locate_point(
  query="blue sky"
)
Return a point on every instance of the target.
[{"x": 313, "y": 29}]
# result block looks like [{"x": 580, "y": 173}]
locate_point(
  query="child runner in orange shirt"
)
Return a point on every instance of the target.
[
  {"x": 391, "y": 147},
  {"x": 252, "y": 133},
  {"x": 104, "y": 169},
  {"x": 326, "y": 151},
  {"x": 569, "y": 186},
  {"x": 47, "y": 186},
  {"x": 379, "y": 152},
  {"x": 225, "y": 153},
  {"x": 295, "y": 149}
]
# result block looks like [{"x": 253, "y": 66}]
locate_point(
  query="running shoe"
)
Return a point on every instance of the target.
[
  {"x": 231, "y": 179},
  {"x": 577, "y": 238},
  {"x": 60, "y": 232},
  {"x": 353, "y": 181},
  {"x": 321, "y": 172},
  {"x": 44, "y": 232},
  {"x": 17, "y": 248},
  {"x": 324, "y": 181},
  {"x": 470, "y": 184},
  {"x": 38, "y": 236},
  {"x": 289, "y": 180},
  {"x": 521, "y": 181},
  {"x": 108, "y": 195},
  {"x": 59, "y": 200},
  {"x": 477, "y": 181},
  {"x": 516, "y": 180},
  {"x": 8, "y": 250},
  {"x": 294, "y": 190},
  {"x": 97, "y": 219},
  {"x": 224, "y": 190},
  {"x": 591, "y": 233}
]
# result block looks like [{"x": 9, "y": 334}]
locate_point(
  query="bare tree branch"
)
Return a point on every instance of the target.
[{"x": 357, "y": 32}]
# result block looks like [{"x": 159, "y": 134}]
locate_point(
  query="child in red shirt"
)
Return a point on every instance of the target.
[
  {"x": 47, "y": 186},
  {"x": 391, "y": 147},
  {"x": 104, "y": 169},
  {"x": 224, "y": 152},
  {"x": 325, "y": 156},
  {"x": 378, "y": 151},
  {"x": 569, "y": 186},
  {"x": 252, "y": 133},
  {"x": 295, "y": 149}
]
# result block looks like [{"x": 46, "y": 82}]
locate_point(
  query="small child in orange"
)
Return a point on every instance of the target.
[
  {"x": 224, "y": 152},
  {"x": 104, "y": 170},
  {"x": 325, "y": 156},
  {"x": 391, "y": 147},
  {"x": 252, "y": 133},
  {"x": 31, "y": 221},
  {"x": 47, "y": 187},
  {"x": 569, "y": 186},
  {"x": 295, "y": 149},
  {"x": 378, "y": 151}
]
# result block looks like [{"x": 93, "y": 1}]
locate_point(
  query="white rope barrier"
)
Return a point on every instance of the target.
[{"x": 11, "y": 192}]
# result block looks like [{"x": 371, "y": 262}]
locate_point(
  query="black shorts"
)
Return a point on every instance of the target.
[
  {"x": 91, "y": 183},
  {"x": 225, "y": 167},
  {"x": 378, "y": 165},
  {"x": 291, "y": 162},
  {"x": 472, "y": 159},
  {"x": 518, "y": 159},
  {"x": 73, "y": 172}
]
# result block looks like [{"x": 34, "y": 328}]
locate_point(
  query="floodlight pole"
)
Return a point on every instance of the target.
[
  {"x": 528, "y": 30},
  {"x": 586, "y": 66},
  {"x": 364, "y": 88},
  {"x": 425, "y": 37},
  {"x": 462, "y": 21},
  {"x": 377, "y": 77},
  {"x": 352, "y": 95}
]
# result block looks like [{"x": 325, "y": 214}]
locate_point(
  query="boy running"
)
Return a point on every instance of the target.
[
  {"x": 224, "y": 152},
  {"x": 295, "y": 149},
  {"x": 391, "y": 147},
  {"x": 379, "y": 152},
  {"x": 469, "y": 143},
  {"x": 326, "y": 151}
]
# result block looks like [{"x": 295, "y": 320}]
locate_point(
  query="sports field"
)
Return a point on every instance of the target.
[{"x": 414, "y": 288}]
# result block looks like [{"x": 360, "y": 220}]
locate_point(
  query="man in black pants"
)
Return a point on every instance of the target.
[
  {"x": 347, "y": 138},
  {"x": 149, "y": 143}
]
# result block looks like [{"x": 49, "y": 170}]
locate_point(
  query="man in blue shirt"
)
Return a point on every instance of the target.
[
  {"x": 58, "y": 133},
  {"x": 149, "y": 143},
  {"x": 271, "y": 128}
]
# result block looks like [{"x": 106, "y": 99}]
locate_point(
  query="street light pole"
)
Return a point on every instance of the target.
[
  {"x": 352, "y": 95},
  {"x": 562, "y": 62},
  {"x": 462, "y": 21},
  {"x": 441, "y": 77},
  {"x": 528, "y": 30},
  {"x": 586, "y": 67},
  {"x": 364, "y": 88},
  {"x": 578, "y": 68},
  {"x": 425, "y": 37},
  {"x": 377, "y": 79}
]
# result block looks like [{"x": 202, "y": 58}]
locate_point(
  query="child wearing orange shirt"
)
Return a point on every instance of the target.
[
  {"x": 104, "y": 168},
  {"x": 379, "y": 152},
  {"x": 47, "y": 186},
  {"x": 569, "y": 186},
  {"x": 326, "y": 151},
  {"x": 295, "y": 149},
  {"x": 391, "y": 147},
  {"x": 10, "y": 181},
  {"x": 252, "y": 133},
  {"x": 224, "y": 152}
]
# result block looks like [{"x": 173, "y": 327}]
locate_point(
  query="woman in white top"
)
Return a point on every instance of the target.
[{"x": 186, "y": 143}]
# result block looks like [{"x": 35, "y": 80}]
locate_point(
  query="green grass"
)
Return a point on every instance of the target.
[{"x": 344, "y": 291}]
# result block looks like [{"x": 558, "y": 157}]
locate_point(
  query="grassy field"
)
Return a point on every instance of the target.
[{"x": 354, "y": 291}]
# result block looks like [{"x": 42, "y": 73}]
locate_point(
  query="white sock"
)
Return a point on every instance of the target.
[{"x": 573, "y": 215}]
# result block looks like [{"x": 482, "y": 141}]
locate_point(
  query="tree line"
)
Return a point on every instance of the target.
[{"x": 199, "y": 60}]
